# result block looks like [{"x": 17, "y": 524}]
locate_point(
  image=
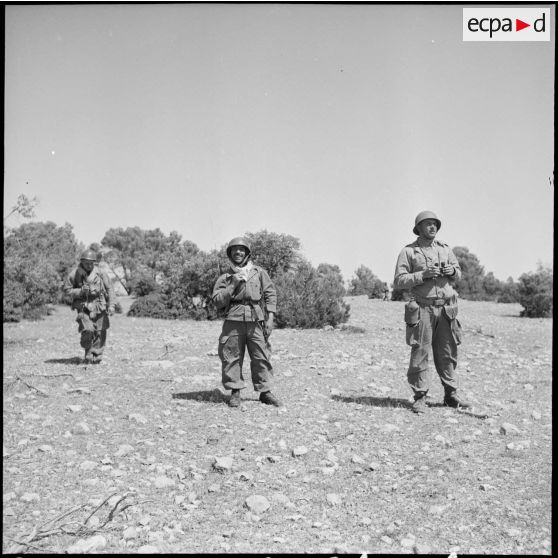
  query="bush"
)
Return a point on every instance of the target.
[
  {"x": 143, "y": 283},
  {"x": 153, "y": 305},
  {"x": 365, "y": 282},
  {"x": 536, "y": 293},
  {"x": 307, "y": 299}
]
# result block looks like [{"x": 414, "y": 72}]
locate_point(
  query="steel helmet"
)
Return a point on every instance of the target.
[
  {"x": 88, "y": 255},
  {"x": 426, "y": 215},
  {"x": 238, "y": 241}
]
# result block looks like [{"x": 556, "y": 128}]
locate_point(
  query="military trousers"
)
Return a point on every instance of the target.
[
  {"x": 93, "y": 332},
  {"x": 235, "y": 338},
  {"x": 438, "y": 329}
]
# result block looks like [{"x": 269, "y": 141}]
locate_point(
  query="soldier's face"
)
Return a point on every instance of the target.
[
  {"x": 428, "y": 229},
  {"x": 87, "y": 265},
  {"x": 238, "y": 253}
]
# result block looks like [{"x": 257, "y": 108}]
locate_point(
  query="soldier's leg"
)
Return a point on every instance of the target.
[
  {"x": 100, "y": 337},
  {"x": 420, "y": 339},
  {"x": 232, "y": 344},
  {"x": 86, "y": 329},
  {"x": 444, "y": 350},
  {"x": 260, "y": 365}
]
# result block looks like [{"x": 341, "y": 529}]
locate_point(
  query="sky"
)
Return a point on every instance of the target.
[{"x": 333, "y": 123}]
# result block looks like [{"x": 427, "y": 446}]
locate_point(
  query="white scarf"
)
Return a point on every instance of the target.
[{"x": 244, "y": 271}]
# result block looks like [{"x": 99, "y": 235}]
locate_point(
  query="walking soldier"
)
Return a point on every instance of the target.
[
  {"x": 93, "y": 297},
  {"x": 428, "y": 269}
]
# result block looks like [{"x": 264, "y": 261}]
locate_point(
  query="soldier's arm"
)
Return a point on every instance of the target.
[
  {"x": 70, "y": 288},
  {"x": 222, "y": 292},
  {"x": 109, "y": 287},
  {"x": 405, "y": 279},
  {"x": 269, "y": 292}
]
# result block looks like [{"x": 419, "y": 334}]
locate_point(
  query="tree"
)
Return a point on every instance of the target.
[
  {"x": 536, "y": 293},
  {"x": 509, "y": 291},
  {"x": 365, "y": 282},
  {"x": 491, "y": 287},
  {"x": 37, "y": 259},
  {"x": 470, "y": 286},
  {"x": 274, "y": 252},
  {"x": 24, "y": 206}
]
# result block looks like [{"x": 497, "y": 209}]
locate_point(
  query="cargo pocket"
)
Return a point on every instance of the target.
[
  {"x": 228, "y": 348},
  {"x": 450, "y": 313}
]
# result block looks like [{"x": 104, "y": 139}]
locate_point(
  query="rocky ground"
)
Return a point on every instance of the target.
[{"x": 142, "y": 454}]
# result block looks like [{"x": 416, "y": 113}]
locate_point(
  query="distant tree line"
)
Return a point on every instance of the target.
[{"x": 172, "y": 278}]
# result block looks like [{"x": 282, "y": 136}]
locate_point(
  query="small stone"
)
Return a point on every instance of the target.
[
  {"x": 46, "y": 448},
  {"x": 280, "y": 499},
  {"x": 536, "y": 415},
  {"x": 75, "y": 408},
  {"x": 30, "y": 497},
  {"x": 407, "y": 542},
  {"x": 508, "y": 428},
  {"x": 213, "y": 488},
  {"x": 299, "y": 450},
  {"x": 421, "y": 548},
  {"x": 124, "y": 449},
  {"x": 357, "y": 459},
  {"x": 374, "y": 466},
  {"x": 223, "y": 464},
  {"x": 136, "y": 417},
  {"x": 386, "y": 539},
  {"x": 130, "y": 533},
  {"x": 257, "y": 504},
  {"x": 436, "y": 510},
  {"x": 365, "y": 521},
  {"x": 334, "y": 499},
  {"x": 81, "y": 428},
  {"x": 163, "y": 482},
  {"x": 528, "y": 387},
  {"x": 88, "y": 465},
  {"x": 84, "y": 546}
]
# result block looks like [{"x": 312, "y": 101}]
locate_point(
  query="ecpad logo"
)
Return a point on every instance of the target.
[{"x": 506, "y": 24}]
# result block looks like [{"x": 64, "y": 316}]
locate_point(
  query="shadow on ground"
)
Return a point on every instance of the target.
[
  {"x": 374, "y": 401},
  {"x": 207, "y": 396},
  {"x": 72, "y": 360}
]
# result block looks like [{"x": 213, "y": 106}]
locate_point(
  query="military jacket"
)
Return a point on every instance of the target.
[
  {"x": 416, "y": 258},
  {"x": 244, "y": 303},
  {"x": 101, "y": 294}
]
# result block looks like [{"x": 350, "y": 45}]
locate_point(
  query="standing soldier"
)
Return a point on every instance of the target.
[
  {"x": 93, "y": 297},
  {"x": 245, "y": 293},
  {"x": 428, "y": 268}
]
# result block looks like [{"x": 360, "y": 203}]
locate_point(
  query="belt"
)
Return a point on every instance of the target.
[{"x": 431, "y": 301}]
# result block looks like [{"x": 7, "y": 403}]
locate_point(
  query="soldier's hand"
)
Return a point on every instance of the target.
[
  {"x": 85, "y": 289},
  {"x": 448, "y": 269},
  {"x": 430, "y": 273},
  {"x": 110, "y": 310},
  {"x": 237, "y": 278},
  {"x": 269, "y": 324}
]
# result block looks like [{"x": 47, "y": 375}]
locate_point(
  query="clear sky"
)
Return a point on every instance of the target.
[{"x": 336, "y": 124}]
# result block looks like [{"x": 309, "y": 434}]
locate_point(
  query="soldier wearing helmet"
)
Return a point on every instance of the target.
[
  {"x": 428, "y": 269},
  {"x": 246, "y": 294},
  {"x": 93, "y": 297}
]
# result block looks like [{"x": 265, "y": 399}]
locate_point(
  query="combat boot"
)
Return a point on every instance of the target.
[
  {"x": 269, "y": 399},
  {"x": 451, "y": 399},
  {"x": 420, "y": 406},
  {"x": 234, "y": 401}
]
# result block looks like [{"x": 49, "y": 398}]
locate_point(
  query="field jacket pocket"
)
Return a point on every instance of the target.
[{"x": 450, "y": 313}]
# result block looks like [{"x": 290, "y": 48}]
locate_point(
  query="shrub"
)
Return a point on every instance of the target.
[
  {"x": 143, "y": 283},
  {"x": 153, "y": 305},
  {"x": 536, "y": 293},
  {"x": 365, "y": 282},
  {"x": 307, "y": 299}
]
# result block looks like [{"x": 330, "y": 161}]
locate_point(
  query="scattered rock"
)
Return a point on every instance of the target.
[
  {"x": 334, "y": 499},
  {"x": 88, "y": 465},
  {"x": 163, "y": 482},
  {"x": 436, "y": 510},
  {"x": 75, "y": 408},
  {"x": 374, "y": 465},
  {"x": 357, "y": 459},
  {"x": 223, "y": 464},
  {"x": 421, "y": 548},
  {"x": 130, "y": 533},
  {"x": 508, "y": 428},
  {"x": 124, "y": 449},
  {"x": 136, "y": 417},
  {"x": 386, "y": 539},
  {"x": 257, "y": 504},
  {"x": 536, "y": 415},
  {"x": 84, "y": 546},
  {"x": 46, "y": 448},
  {"x": 81, "y": 428},
  {"x": 299, "y": 450},
  {"x": 30, "y": 497}
]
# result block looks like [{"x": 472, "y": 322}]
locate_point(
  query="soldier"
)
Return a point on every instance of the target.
[
  {"x": 93, "y": 297},
  {"x": 428, "y": 268},
  {"x": 245, "y": 294}
]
